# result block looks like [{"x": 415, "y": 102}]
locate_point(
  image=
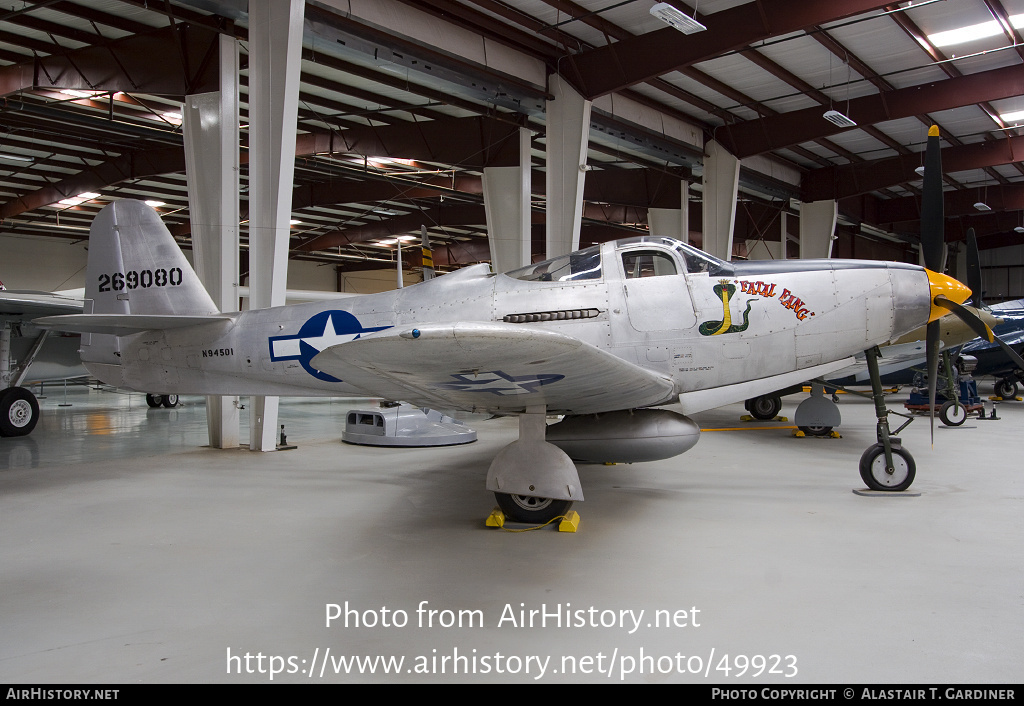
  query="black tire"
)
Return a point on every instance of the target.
[
  {"x": 532, "y": 510},
  {"x": 170, "y": 401},
  {"x": 765, "y": 407},
  {"x": 952, "y": 413},
  {"x": 873, "y": 471},
  {"x": 1006, "y": 388},
  {"x": 19, "y": 412},
  {"x": 816, "y": 431},
  {"x": 154, "y": 400}
]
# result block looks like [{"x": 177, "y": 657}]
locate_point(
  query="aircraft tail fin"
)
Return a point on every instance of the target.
[{"x": 135, "y": 267}]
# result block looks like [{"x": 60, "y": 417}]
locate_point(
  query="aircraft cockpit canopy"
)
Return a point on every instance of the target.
[
  {"x": 580, "y": 265},
  {"x": 695, "y": 260},
  {"x": 586, "y": 264}
]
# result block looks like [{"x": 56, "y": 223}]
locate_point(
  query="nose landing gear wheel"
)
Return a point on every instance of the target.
[
  {"x": 1007, "y": 389},
  {"x": 170, "y": 401},
  {"x": 530, "y": 509},
  {"x": 952, "y": 413},
  {"x": 877, "y": 477}
]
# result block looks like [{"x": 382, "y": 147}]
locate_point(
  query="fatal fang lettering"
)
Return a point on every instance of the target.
[{"x": 786, "y": 298}]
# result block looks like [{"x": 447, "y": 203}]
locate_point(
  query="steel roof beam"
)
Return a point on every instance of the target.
[
  {"x": 440, "y": 216},
  {"x": 852, "y": 179},
  {"x": 759, "y": 136},
  {"x": 956, "y": 204},
  {"x": 604, "y": 70},
  {"x": 125, "y": 65}
]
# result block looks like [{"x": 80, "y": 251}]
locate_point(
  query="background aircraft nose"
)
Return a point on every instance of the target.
[{"x": 947, "y": 287}]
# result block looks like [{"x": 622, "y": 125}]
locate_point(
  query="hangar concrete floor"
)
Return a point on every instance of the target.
[{"x": 130, "y": 554}]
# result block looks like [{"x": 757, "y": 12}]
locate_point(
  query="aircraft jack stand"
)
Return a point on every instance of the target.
[
  {"x": 569, "y": 523},
  {"x": 992, "y": 415},
  {"x": 284, "y": 445}
]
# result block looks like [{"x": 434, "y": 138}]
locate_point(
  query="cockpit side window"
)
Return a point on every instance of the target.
[{"x": 647, "y": 263}]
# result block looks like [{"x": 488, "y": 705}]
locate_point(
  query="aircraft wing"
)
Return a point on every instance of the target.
[
  {"x": 493, "y": 367},
  {"x": 27, "y": 305}
]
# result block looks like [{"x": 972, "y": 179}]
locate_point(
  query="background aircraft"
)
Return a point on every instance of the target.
[
  {"x": 600, "y": 335},
  {"x": 31, "y": 354}
]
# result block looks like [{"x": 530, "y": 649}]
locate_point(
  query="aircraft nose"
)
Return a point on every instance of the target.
[{"x": 947, "y": 287}]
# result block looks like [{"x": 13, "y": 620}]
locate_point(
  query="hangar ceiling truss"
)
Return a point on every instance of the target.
[{"x": 397, "y": 121}]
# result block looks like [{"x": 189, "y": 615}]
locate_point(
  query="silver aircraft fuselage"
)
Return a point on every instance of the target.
[{"x": 653, "y": 302}]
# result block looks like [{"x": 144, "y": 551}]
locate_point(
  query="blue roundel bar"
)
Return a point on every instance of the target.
[{"x": 320, "y": 332}]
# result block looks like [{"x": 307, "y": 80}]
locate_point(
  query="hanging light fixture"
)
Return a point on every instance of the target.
[{"x": 676, "y": 19}]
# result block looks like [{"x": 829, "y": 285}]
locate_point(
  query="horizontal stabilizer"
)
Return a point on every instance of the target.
[{"x": 125, "y": 324}]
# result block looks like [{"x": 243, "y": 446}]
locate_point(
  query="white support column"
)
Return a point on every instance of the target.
[
  {"x": 275, "y": 44},
  {"x": 817, "y": 226},
  {"x": 568, "y": 132},
  {"x": 507, "y": 208},
  {"x": 784, "y": 226},
  {"x": 766, "y": 248},
  {"x": 961, "y": 262},
  {"x": 210, "y": 125},
  {"x": 666, "y": 222},
  {"x": 672, "y": 222},
  {"x": 945, "y": 258},
  {"x": 721, "y": 184}
]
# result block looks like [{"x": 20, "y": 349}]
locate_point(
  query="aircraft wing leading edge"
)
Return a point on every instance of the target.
[{"x": 494, "y": 367}]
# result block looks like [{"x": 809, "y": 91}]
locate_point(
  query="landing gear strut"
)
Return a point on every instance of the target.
[
  {"x": 533, "y": 480},
  {"x": 885, "y": 465}
]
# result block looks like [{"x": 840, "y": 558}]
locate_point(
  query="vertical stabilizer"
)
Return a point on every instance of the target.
[{"x": 135, "y": 267}]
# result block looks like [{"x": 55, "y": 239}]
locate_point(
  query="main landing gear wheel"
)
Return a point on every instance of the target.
[
  {"x": 162, "y": 400},
  {"x": 877, "y": 477},
  {"x": 1007, "y": 389},
  {"x": 816, "y": 431},
  {"x": 952, "y": 413},
  {"x": 530, "y": 509},
  {"x": 19, "y": 412},
  {"x": 764, "y": 407}
]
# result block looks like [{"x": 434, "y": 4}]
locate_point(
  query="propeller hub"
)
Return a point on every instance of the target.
[{"x": 949, "y": 288}]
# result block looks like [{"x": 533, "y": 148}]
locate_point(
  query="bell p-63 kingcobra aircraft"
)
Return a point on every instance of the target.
[{"x": 603, "y": 335}]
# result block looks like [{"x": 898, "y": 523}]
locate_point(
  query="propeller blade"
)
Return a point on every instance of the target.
[
  {"x": 932, "y": 350},
  {"x": 967, "y": 316},
  {"x": 974, "y": 269},
  {"x": 979, "y": 327},
  {"x": 933, "y": 236}
]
